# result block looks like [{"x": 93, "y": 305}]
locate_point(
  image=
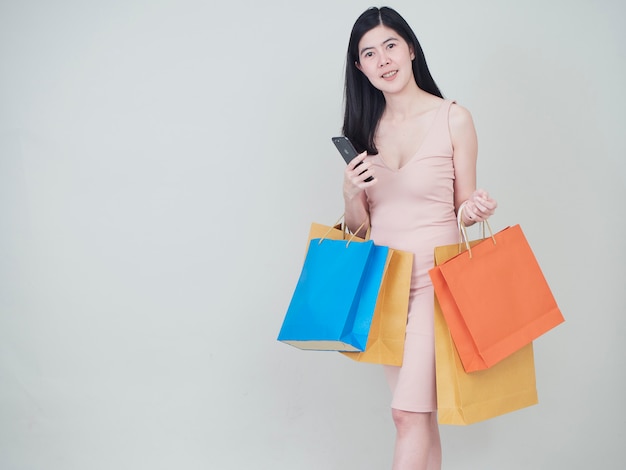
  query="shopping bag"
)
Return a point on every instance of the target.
[
  {"x": 465, "y": 398},
  {"x": 334, "y": 300},
  {"x": 494, "y": 298},
  {"x": 385, "y": 343}
]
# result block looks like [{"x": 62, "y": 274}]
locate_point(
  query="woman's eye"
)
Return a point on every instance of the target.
[{"x": 391, "y": 46}]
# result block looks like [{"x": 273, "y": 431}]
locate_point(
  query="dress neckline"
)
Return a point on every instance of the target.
[{"x": 421, "y": 145}]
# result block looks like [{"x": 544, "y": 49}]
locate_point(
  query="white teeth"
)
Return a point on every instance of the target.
[{"x": 390, "y": 74}]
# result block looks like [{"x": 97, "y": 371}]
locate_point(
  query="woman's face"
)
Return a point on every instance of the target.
[{"x": 385, "y": 59}]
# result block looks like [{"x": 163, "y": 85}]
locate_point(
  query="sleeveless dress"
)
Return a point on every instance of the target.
[{"x": 412, "y": 209}]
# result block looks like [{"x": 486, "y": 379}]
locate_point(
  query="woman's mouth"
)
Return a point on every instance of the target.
[{"x": 390, "y": 74}]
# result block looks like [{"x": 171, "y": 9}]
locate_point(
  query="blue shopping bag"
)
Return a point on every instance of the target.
[{"x": 334, "y": 300}]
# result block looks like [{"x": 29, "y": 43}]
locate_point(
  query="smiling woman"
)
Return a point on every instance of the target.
[
  {"x": 417, "y": 169},
  {"x": 364, "y": 101}
]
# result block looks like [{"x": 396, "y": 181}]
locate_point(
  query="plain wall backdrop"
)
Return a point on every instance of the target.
[{"x": 160, "y": 165}]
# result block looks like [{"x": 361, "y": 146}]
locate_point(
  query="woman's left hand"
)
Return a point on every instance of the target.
[{"x": 479, "y": 207}]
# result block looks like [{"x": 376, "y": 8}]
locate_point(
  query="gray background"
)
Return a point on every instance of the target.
[{"x": 160, "y": 164}]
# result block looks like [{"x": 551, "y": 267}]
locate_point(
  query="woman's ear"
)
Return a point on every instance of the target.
[
  {"x": 357, "y": 65},
  {"x": 412, "y": 53}
]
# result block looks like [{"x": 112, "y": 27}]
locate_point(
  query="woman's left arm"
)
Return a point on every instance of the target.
[{"x": 478, "y": 205}]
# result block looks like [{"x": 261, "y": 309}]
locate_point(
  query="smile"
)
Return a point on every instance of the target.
[{"x": 390, "y": 74}]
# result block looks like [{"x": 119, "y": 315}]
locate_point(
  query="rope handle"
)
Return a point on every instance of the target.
[
  {"x": 463, "y": 237},
  {"x": 345, "y": 231}
]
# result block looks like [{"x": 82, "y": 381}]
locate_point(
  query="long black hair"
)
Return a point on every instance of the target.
[{"x": 364, "y": 104}]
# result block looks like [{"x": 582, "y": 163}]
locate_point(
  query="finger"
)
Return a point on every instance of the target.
[
  {"x": 363, "y": 167},
  {"x": 479, "y": 206},
  {"x": 483, "y": 197},
  {"x": 492, "y": 204},
  {"x": 357, "y": 160},
  {"x": 487, "y": 207},
  {"x": 359, "y": 168},
  {"x": 469, "y": 212},
  {"x": 481, "y": 194},
  {"x": 364, "y": 175},
  {"x": 484, "y": 213},
  {"x": 357, "y": 177},
  {"x": 478, "y": 216},
  {"x": 353, "y": 173},
  {"x": 488, "y": 202}
]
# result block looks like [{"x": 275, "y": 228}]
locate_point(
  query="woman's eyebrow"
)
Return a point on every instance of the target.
[{"x": 383, "y": 43}]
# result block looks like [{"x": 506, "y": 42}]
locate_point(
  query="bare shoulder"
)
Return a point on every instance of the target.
[
  {"x": 462, "y": 131},
  {"x": 460, "y": 118}
]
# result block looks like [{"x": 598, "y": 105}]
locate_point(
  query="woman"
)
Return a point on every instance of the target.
[{"x": 421, "y": 152}]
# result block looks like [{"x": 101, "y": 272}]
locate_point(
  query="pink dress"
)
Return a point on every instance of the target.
[{"x": 412, "y": 209}]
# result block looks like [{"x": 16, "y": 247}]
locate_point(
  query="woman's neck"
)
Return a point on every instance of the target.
[{"x": 412, "y": 100}]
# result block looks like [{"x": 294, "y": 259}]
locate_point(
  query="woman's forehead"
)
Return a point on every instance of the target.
[{"x": 377, "y": 36}]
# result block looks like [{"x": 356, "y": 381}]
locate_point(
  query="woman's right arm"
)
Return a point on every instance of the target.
[{"x": 354, "y": 185}]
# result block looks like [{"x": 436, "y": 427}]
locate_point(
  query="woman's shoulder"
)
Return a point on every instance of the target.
[{"x": 460, "y": 116}]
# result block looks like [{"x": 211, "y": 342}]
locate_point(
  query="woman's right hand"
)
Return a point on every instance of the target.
[{"x": 354, "y": 178}]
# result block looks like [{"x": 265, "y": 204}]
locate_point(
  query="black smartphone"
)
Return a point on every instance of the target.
[{"x": 347, "y": 150}]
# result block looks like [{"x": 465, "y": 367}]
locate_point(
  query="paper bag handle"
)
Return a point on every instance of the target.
[
  {"x": 463, "y": 237},
  {"x": 344, "y": 228}
]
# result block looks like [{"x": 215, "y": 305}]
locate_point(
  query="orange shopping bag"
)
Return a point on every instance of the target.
[
  {"x": 465, "y": 398},
  {"x": 494, "y": 298}
]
